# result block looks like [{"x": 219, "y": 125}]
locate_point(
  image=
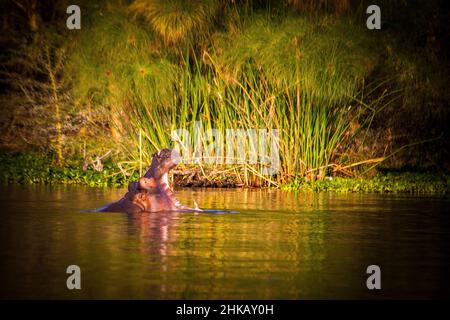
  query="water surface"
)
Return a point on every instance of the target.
[{"x": 280, "y": 245}]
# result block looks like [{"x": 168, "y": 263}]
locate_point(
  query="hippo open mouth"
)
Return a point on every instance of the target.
[
  {"x": 152, "y": 193},
  {"x": 162, "y": 162}
]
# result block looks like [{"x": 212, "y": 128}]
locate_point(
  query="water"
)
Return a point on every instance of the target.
[{"x": 279, "y": 246}]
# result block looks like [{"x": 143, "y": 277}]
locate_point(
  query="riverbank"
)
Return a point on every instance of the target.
[
  {"x": 30, "y": 168},
  {"x": 391, "y": 182},
  {"x": 36, "y": 169},
  {"x": 311, "y": 84}
]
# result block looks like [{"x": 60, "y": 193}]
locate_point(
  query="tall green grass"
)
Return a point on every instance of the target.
[{"x": 300, "y": 76}]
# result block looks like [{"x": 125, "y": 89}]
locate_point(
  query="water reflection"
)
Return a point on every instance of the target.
[{"x": 280, "y": 246}]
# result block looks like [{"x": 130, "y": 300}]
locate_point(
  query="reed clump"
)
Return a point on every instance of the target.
[
  {"x": 300, "y": 76},
  {"x": 309, "y": 70}
]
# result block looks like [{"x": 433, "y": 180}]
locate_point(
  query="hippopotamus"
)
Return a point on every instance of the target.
[{"x": 152, "y": 192}]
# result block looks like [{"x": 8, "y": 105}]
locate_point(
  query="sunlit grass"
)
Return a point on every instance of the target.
[
  {"x": 301, "y": 76},
  {"x": 176, "y": 20}
]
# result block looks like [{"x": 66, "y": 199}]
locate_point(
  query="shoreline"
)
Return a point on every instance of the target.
[{"x": 31, "y": 169}]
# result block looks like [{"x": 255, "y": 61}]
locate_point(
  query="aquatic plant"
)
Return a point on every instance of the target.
[
  {"x": 35, "y": 168},
  {"x": 177, "y": 20},
  {"x": 135, "y": 73},
  {"x": 390, "y": 182},
  {"x": 306, "y": 89}
]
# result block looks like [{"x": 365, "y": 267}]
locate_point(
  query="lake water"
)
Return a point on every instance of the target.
[{"x": 280, "y": 245}]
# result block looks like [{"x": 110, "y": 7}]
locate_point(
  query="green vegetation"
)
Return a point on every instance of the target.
[
  {"x": 343, "y": 99},
  {"x": 406, "y": 182},
  {"x": 34, "y": 168},
  {"x": 310, "y": 89}
]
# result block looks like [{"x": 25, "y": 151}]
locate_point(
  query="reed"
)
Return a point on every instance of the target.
[
  {"x": 311, "y": 128},
  {"x": 177, "y": 20},
  {"x": 300, "y": 76}
]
